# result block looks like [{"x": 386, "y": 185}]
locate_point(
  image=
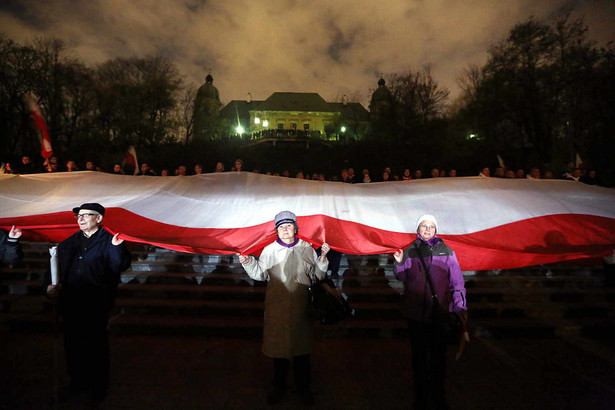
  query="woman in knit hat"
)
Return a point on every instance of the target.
[
  {"x": 429, "y": 259},
  {"x": 289, "y": 265}
]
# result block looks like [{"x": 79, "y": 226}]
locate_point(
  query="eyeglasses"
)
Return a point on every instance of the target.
[
  {"x": 78, "y": 216},
  {"x": 430, "y": 227}
]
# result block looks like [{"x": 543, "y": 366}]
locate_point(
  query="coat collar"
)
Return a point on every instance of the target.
[
  {"x": 287, "y": 245},
  {"x": 432, "y": 242}
]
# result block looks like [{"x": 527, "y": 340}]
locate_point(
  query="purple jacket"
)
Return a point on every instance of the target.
[{"x": 445, "y": 275}]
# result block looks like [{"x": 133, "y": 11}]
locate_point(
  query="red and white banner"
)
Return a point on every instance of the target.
[
  {"x": 501, "y": 162},
  {"x": 41, "y": 128},
  {"x": 130, "y": 159},
  {"x": 489, "y": 222},
  {"x": 578, "y": 162}
]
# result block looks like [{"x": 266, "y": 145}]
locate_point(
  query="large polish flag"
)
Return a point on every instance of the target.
[{"x": 489, "y": 222}]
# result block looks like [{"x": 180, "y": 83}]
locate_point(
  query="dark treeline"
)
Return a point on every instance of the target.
[{"x": 545, "y": 95}]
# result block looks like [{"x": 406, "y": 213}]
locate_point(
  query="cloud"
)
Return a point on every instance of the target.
[{"x": 332, "y": 48}]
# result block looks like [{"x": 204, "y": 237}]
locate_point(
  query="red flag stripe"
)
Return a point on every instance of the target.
[{"x": 536, "y": 240}]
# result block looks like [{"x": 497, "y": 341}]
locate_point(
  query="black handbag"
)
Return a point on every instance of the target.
[
  {"x": 446, "y": 322},
  {"x": 328, "y": 304}
]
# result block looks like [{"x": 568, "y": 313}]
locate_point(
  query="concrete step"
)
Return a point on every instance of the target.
[
  {"x": 538, "y": 328},
  {"x": 217, "y": 286},
  {"x": 251, "y": 326},
  {"x": 166, "y": 274},
  {"x": 230, "y": 303}
]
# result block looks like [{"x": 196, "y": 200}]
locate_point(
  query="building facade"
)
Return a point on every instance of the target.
[{"x": 294, "y": 115}]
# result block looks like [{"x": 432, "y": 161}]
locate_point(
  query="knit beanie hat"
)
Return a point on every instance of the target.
[{"x": 427, "y": 217}]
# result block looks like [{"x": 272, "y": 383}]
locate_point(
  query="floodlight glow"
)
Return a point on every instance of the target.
[
  {"x": 239, "y": 129},
  {"x": 343, "y": 129}
]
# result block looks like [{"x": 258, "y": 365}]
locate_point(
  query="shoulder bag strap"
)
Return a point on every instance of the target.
[{"x": 428, "y": 277}]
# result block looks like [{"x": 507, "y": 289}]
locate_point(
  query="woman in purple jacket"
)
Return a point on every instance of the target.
[{"x": 429, "y": 255}]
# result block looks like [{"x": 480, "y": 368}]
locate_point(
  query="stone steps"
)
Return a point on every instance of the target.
[
  {"x": 167, "y": 292},
  {"x": 11, "y": 283}
]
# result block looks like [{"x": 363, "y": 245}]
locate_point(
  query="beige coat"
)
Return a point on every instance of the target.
[{"x": 288, "y": 323}]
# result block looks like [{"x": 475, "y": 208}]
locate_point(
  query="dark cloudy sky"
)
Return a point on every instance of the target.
[{"x": 332, "y": 47}]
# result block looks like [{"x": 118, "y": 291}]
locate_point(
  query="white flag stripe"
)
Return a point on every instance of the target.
[{"x": 237, "y": 200}]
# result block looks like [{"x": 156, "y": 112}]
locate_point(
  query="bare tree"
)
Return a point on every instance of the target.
[
  {"x": 184, "y": 114},
  {"x": 17, "y": 63},
  {"x": 538, "y": 91},
  {"x": 136, "y": 98},
  {"x": 418, "y": 101},
  {"x": 418, "y": 95}
]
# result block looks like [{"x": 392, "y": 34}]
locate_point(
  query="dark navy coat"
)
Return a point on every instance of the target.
[{"x": 89, "y": 277}]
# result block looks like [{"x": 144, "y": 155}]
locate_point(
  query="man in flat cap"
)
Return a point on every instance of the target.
[{"x": 89, "y": 265}]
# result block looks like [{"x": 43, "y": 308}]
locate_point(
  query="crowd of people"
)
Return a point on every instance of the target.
[{"x": 348, "y": 175}]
